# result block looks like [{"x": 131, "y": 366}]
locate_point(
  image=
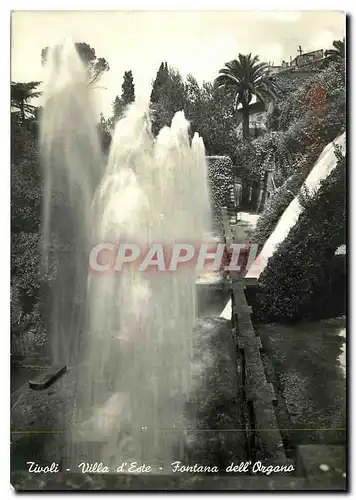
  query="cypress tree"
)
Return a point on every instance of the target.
[
  {"x": 160, "y": 82},
  {"x": 128, "y": 88},
  {"x": 127, "y": 95}
]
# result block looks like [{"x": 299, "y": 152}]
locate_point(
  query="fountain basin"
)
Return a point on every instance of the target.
[{"x": 47, "y": 378}]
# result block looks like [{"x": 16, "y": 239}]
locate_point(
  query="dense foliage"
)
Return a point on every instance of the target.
[
  {"x": 167, "y": 97},
  {"x": 299, "y": 281},
  {"x": 314, "y": 113},
  {"x": 244, "y": 78},
  {"x": 275, "y": 207},
  {"x": 28, "y": 285},
  {"x": 303, "y": 278},
  {"x": 105, "y": 130},
  {"x": 127, "y": 96},
  {"x": 210, "y": 113},
  {"x": 304, "y": 120},
  {"x": 220, "y": 172},
  {"x": 308, "y": 113},
  {"x": 25, "y": 224},
  {"x": 21, "y": 94}
]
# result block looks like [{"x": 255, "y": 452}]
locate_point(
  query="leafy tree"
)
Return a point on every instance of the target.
[
  {"x": 25, "y": 180},
  {"x": 96, "y": 66},
  {"x": 210, "y": 114},
  {"x": 193, "y": 90},
  {"x": 127, "y": 95},
  {"x": 207, "y": 108},
  {"x": 21, "y": 94},
  {"x": 25, "y": 217},
  {"x": 167, "y": 97},
  {"x": 243, "y": 78}
]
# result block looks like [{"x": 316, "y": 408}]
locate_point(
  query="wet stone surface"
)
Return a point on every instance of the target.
[
  {"x": 214, "y": 422},
  {"x": 309, "y": 379}
]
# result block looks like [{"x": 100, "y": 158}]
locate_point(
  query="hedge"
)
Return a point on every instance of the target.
[
  {"x": 300, "y": 281},
  {"x": 275, "y": 207},
  {"x": 220, "y": 175}
]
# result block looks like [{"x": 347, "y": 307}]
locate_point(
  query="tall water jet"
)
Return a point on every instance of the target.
[
  {"x": 139, "y": 345},
  {"x": 71, "y": 159},
  {"x": 134, "y": 376}
]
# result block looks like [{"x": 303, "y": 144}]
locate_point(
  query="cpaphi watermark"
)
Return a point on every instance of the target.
[{"x": 234, "y": 259}]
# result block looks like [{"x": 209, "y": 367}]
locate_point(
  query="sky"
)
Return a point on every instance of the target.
[{"x": 197, "y": 42}]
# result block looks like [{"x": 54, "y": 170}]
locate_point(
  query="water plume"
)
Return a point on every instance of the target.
[
  {"x": 134, "y": 374},
  {"x": 71, "y": 159}
]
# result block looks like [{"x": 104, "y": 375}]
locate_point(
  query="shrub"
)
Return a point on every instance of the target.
[
  {"x": 25, "y": 179},
  {"x": 275, "y": 207},
  {"x": 25, "y": 218},
  {"x": 304, "y": 122},
  {"x": 298, "y": 280},
  {"x": 301, "y": 125},
  {"x": 25, "y": 263},
  {"x": 326, "y": 89},
  {"x": 27, "y": 296},
  {"x": 220, "y": 174}
]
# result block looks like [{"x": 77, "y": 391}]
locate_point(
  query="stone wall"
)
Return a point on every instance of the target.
[{"x": 259, "y": 397}]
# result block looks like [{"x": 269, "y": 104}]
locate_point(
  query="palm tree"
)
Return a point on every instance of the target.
[
  {"x": 21, "y": 93},
  {"x": 243, "y": 78},
  {"x": 338, "y": 53}
]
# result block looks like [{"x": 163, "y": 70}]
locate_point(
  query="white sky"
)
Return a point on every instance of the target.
[{"x": 197, "y": 42}]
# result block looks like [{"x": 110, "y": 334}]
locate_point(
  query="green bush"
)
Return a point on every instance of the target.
[
  {"x": 26, "y": 262},
  {"x": 298, "y": 103},
  {"x": 275, "y": 207},
  {"x": 298, "y": 282},
  {"x": 304, "y": 120},
  {"x": 25, "y": 179},
  {"x": 301, "y": 125},
  {"x": 220, "y": 174},
  {"x": 25, "y": 217}
]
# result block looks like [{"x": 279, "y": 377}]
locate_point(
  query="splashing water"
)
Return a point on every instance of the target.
[
  {"x": 134, "y": 355},
  {"x": 70, "y": 154}
]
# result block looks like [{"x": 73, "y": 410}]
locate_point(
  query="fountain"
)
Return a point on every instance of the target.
[
  {"x": 131, "y": 342},
  {"x": 70, "y": 154}
]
